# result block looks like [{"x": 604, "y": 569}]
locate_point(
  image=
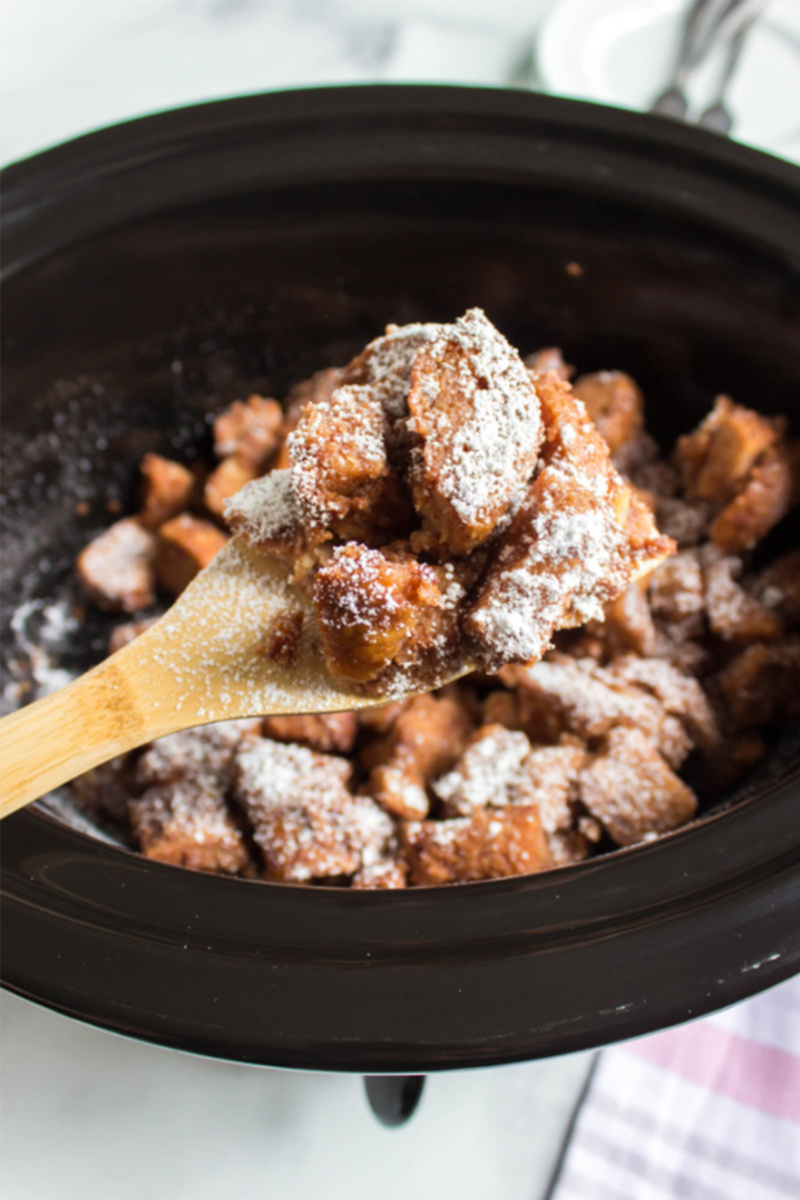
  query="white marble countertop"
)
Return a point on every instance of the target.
[
  {"x": 87, "y": 1114},
  {"x": 69, "y": 67}
]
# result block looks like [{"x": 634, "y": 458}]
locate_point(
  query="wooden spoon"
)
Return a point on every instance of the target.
[{"x": 198, "y": 663}]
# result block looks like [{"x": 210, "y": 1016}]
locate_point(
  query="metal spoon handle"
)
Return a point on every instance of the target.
[
  {"x": 716, "y": 116},
  {"x": 707, "y": 26},
  {"x": 700, "y": 21}
]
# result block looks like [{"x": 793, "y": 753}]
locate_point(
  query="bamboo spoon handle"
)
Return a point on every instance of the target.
[
  {"x": 198, "y": 663},
  {"x": 60, "y": 736}
]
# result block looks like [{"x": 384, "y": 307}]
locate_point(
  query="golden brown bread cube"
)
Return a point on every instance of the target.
[
  {"x": 734, "y": 615},
  {"x": 501, "y": 707},
  {"x": 384, "y": 873},
  {"x": 614, "y": 404},
  {"x": 629, "y": 788},
  {"x": 579, "y": 538},
  {"x": 380, "y": 719},
  {"x": 282, "y": 638},
  {"x": 424, "y": 741},
  {"x": 324, "y": 732},
  {"x": 488, "y": 844},
  {"x": 677, "y": 589},
  {"x": 304, "y": 818},
  {"x": 188, "y": 825},
  {"x": 564, "y": 696},
  {"x": 475, "y": 412},
  {"x": 318, "y": 389},
  {"x": 679, "y": 693},
  {"x": 368, "y": 602},
  {"x": 343, "y": 480},
  {"x": 116, "y": 568},
  {"x": 717, "y": 457},
  {"x": 765, "y": 498},
  {"x": 549, "y": 779},
  {"x": 627, "y": 622},
  {"x": 182, "y": 817},
  {"x": 185, "y": 545},
  {"x": 250, "y": 431},
  {"x": 686, "y": 522},
  {"x": 227, "y": 478},
  {"x": 487, "y": 773},
  {"x": 168, "y": 488},
  {"x": 265, "y": 515},
  {"x": 385, "y": 366},
  {"x": 204, "y": 754}
]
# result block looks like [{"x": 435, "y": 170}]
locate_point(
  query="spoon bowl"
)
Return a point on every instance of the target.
[{"x": 203, "y": 661}]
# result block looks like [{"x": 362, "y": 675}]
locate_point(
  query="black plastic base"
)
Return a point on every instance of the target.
[{"x": 394, "y": 1098}]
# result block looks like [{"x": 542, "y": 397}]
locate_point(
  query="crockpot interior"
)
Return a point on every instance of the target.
[
  {"x": 137, "y": 305},
  {"x": 127, "y": 341}
]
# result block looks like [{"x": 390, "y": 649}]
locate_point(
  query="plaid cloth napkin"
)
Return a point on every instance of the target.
[{"x": 706, "y": 1111}]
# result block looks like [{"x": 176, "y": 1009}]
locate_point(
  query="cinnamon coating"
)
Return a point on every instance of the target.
[{"x": 663, "y": 678}]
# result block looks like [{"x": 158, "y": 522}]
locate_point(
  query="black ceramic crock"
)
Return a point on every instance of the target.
[{"x": 153, "y": 271}]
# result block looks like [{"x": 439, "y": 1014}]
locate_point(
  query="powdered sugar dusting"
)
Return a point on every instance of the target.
[
  {"x": 265, "y": 509},
  {"x": 479, "y": 450},
  {"x": 386, "y": 365},
  {"x": 304, "y": 817},
  {"x": 204, "y": 651},
  {"x": 364, "y": 600},
  {"x": 352, "y": 429},
  {"x": 487, "y": 773}
]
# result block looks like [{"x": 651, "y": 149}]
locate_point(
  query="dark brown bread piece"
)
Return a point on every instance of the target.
[
  {"x": 778, "y": 587},
  {"x": 765, "y": 498},
  {"x": 717, "y": 457},
  {"x": 566, "y": 696},
  {"x": 105, "y": 791},
  {"x": 549, "y": 358},
  {"x": 760, "y": 685},
  {"x": 627, "y": 623},
  {"x": 733, "y": 615}
]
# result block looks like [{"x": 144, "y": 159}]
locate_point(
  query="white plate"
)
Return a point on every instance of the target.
[{"x": 622, "y": 52}]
